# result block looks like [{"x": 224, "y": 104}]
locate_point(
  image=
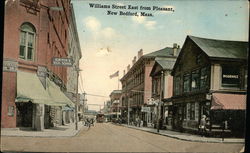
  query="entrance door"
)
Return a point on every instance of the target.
[{"x": 24, "y": 114}]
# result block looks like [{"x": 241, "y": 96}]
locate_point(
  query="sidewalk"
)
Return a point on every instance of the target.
[
  {"x": 187, "y": 136},
  {"x": 59, "y": 131}
]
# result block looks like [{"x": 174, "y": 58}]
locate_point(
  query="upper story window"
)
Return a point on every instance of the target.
[
  {"x": 27, "y": 42},
  {"x": 195, "y": 80},
  {"x": 177, "y": 82},
  {"x": 186, "y": 83},
  {"x": 203, "y": 78},
  {"x": 230, "y": 76}
]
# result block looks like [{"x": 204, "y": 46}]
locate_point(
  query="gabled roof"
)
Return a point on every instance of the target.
[
  {"x": 167, "y": 51},
  {"x": 217, "y": 49},
  {"x": 164, "y": 63},
  {"x": 222, "y": 48}
]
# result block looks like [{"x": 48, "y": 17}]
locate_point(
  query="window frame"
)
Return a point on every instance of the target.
[
  {"x": 25, "y": 28},
  {"x": 192, "y": 78},
  {"x": 186, "y": 75}
]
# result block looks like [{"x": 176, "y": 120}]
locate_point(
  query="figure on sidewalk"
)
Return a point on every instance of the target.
[{"x": 202, "y": 126}]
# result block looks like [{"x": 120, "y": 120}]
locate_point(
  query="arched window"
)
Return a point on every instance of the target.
[{"x": 27, "y": 42}]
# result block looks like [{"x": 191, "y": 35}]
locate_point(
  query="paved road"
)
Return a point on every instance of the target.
[{"x": 105, "y": 137}]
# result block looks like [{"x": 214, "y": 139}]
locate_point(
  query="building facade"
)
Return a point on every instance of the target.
[
  {"x": 210, "y": 78},
  {"x": 162, "y": 90},
  {"x": 115, "y": 97},
  {"x": 34, "y": 33},
  {"x": 137, "y": 86}
]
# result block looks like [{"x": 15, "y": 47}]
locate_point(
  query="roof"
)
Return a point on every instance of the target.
[
  {"x": 116, "y": 92},
  {"x": 222, "y": 48},
  {"x": 228, "y": 101},
  {"x": 166, "y": 64},
  {"x": 167, "y": 51}
]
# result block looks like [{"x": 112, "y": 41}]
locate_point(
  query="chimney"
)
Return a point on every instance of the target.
[
  {"x": 128, "y": 67},
  {"x": 140, "y": 53},
  {"x": 175, "y": 49},
  {"x": 134, "y": 60}
]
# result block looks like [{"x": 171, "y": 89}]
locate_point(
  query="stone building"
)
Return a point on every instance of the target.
[
  {"x": 210, "y": 78},
  {"x": 32, "y": 91}
]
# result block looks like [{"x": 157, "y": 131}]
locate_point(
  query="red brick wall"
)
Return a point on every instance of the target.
[
  {"x": 48, "y": 37},
  {"x": 8, "y": 99}
]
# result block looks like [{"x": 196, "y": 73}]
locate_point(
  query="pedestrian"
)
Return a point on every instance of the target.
[{"x": 202, "y": 126}]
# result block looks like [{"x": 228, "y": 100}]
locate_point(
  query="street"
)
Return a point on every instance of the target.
[{"x": 107, "y": 137}]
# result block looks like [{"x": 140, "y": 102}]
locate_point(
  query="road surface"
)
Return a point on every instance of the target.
[{"x": 106, "y": 137}]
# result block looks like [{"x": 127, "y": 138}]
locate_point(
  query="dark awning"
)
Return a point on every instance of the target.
[{"x": 228, "y": 101}]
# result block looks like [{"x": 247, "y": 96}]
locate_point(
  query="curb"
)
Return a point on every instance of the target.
[
  {"x": 34, "y": 136},
  {"x": 175, "y": 137}
]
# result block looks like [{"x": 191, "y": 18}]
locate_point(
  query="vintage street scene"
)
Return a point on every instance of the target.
[{"x": 124, "y": 76}]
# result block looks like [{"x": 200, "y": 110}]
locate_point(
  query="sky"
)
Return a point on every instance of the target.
[{"x": 109, "y": 42}]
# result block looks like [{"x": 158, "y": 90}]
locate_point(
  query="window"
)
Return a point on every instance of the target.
[
  {"x": 203, "y": 78},
  {"x": 186, "y": 83},
  {"x": 185, "y": 111},
  {"x": 177, "y": 85},
  {"x": 192, "y": 111},
  {"x": 27, "y": 42},
  {"x": 230, "y": 76},
  {"x": 195, "y": 80}
]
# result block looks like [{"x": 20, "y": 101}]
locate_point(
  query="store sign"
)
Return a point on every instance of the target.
[
  {"x": 62, "y": 61},
  {"x": 230, "y": 76}
]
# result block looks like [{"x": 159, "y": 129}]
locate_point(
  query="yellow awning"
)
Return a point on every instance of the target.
[
  {"x": 57, "y": 95},
  {"x": 30, "y": 88}
]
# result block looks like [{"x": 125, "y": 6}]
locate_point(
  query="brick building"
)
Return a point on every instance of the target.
[
  {"x": 137, "y": 85},
  {"x": 210, "y": 78},
  {"x": 34, "y": 32}
]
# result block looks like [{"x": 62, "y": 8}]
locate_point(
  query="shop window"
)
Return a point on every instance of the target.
[
  {"x": 188, "y": 111},
  {"x": 192, "y": 111},
  {"x": 203, "y": 78},
  {"x": 195, "y": 80},
  {"x": 177, "y": 85},
  {"x": 186, "y": 83},
  {"x": 27, "y": 42},
  {"x": 230, "y": 76}
]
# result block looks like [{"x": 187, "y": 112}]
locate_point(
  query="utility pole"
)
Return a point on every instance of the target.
[
  {"x": 77, "y": 98},
  {"x": 159, "y": 104}
]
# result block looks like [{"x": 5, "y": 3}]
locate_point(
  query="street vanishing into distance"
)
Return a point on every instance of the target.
[{"x": 108, "y": 137}]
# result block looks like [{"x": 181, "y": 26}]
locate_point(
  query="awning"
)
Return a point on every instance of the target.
[
  {"x": 228, "y": 101},
  {"x": 30, "y": 88},
  {"x": 57, "y": 95}
]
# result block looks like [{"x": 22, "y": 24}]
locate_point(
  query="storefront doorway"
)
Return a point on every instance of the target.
[{"x": 24, "y": 114}]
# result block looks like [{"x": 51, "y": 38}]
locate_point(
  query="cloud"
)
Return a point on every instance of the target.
[
  {"x": 103, "y": 52},
  {"x": 92, "y": 23},
  {"x": 139, "y": 19},
  {"x": 109, "y": 33},
  {"x": 150, "y": 25}
]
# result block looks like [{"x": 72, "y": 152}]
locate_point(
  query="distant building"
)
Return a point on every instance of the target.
[
  {"x": 115, "y": 103},
  {"x": 210, "y": 78},
  {"x": 137, "y": 85}
]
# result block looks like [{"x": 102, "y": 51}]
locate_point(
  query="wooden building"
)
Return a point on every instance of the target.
[{"x": 210, "y": 78}]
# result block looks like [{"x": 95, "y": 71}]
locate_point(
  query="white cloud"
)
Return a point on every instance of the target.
[
  {"x": 109, "y": 33},
  {"x": 150, "y": 25},
  {"x": 103, "y": 52},
  {"x": 92, "y": 23},
  {"x": 139, "y": 19}
]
